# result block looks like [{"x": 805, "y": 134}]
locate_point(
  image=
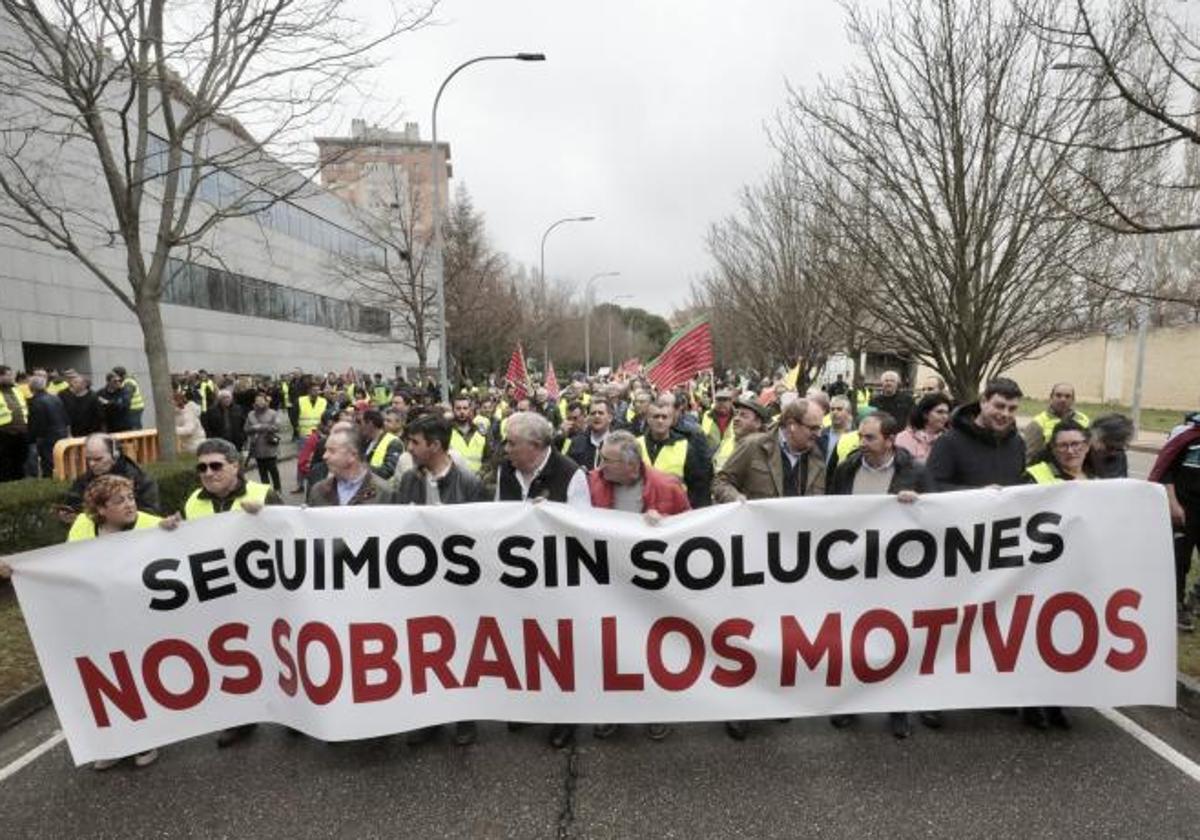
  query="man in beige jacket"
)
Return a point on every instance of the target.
[{"x": 776, "y": 464}]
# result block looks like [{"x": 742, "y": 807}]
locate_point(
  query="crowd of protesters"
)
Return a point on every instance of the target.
[{"x": 617, "y": 443}]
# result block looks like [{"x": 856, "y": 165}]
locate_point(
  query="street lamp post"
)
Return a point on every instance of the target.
[
  {"x": 542, "y": 278},
  {"x": 439, "y": 278},
  {"x": 587, "y": 318},
  {"x": 611, "y": 362}
]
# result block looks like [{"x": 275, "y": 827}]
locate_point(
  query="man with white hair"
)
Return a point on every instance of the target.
[
  {"x": 531, "y": 469},
  {"x": 890, "y": 399}
]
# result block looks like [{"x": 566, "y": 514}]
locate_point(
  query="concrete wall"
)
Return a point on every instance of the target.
[{"x": 1102, "y": 369}]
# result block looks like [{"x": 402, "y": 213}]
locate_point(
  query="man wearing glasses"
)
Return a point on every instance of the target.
[
  {"x": 774, "y": 464},
  {"x": 103, "y": 456},
  {"x": 224, "y": 487},
  {"x": 585, "y": 445}
]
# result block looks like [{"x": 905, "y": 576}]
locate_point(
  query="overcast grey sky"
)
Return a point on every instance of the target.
[{"x": 649, "y": 115}]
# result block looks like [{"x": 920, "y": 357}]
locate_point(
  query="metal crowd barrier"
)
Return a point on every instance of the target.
[{"x": 69, "y": 463}]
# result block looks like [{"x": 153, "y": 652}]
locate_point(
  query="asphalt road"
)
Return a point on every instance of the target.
[{"x": 982, "y": 776}]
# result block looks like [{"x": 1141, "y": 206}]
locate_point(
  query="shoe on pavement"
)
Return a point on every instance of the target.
[
  {"x": 1035, "y": 717},
  {"x": 417, "y": 737},
  {"x": 229, "y": 737},
  {"x": 465, "y": 733},
  {"x": 840, "y": 721},
  {"x": 145, "y": 759},
  {"x": 105, "y": 764},
  {"x": 657, "y": 731},
  {"x": 901, "y": 728},
  {"x": 1058, "y": 718},
  {"x": 737, "y": 729},
  {"x": 1184, "y": 620},
  {"x": 933, "y": 720},
  {"x": 562, "y": 735},
  {"x": 604, "y": 730}
]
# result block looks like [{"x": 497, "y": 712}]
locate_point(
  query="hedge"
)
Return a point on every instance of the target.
[{"x": 27, "y": 519}]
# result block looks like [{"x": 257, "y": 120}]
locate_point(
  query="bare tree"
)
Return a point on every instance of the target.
[
  {"x": 1133, "y": 68},
  {"x": 393, "y": 277},
  {"x": 160, "y": 100},
  {"x": 765, "y": 288},
  {"x": 927, "y": 161}
]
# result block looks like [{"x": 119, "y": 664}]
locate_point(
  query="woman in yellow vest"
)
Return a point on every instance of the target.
[
  {"x": 109, "y": 507},
  {"x": 1064, "y": 459},
  {"x": 1065, "y": 456}
]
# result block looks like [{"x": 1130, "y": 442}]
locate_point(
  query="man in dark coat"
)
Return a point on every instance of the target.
[
  {"x": 48, "y": 423},
  {"x": 83, "y": 407},
  {"x": 226, "y": 420},
  {"x": 104, "y": 457},
  {"x": 114, "y": 404},
  {"x": 982, "y": 447}
]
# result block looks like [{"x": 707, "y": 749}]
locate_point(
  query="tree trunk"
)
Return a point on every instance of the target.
[{"x": 154, "y": 342}]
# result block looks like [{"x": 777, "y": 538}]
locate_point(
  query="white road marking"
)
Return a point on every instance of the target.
[
  {"x": 16, "y": 766},
  {"x": 1151, "y": 741}
]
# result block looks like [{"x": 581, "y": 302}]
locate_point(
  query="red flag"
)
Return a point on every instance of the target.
[
  {"x": 517, "y": 376},
  {"x": 687, "y": 353},
  {"x": 551, "y": 382}
]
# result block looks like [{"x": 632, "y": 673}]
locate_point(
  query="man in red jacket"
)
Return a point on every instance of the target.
[{"x": 623, "y": 482}]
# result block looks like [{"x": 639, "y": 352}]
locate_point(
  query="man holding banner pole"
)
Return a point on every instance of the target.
[
  {"x": 531, "y": 471},
  {"x": 773, "y": 465},
  {"x": 436, "y": 480}
]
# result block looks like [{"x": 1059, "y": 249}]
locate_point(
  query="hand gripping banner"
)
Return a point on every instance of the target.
[{"x": 358, "y": 622}]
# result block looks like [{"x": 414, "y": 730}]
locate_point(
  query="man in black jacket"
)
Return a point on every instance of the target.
[
  {"x": 585, "y": 445},
  {"x": 226, "y": 420},
  {"x": 875, "y": 468},
  {"x": 104, "y": 457},
  {"x": 437, "y": 480},
  {"x": 48, "y": 423},
  {"x": 82, "y": 405},
  {"x": 981, "y": 448},
  {"x": 670, "y": 447}
]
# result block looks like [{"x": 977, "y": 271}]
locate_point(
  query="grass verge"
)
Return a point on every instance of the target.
[
  {"x": 1153, "y": 419},
  {"x": 18, "y": 663}
]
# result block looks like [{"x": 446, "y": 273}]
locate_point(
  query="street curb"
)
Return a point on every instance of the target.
[
  {"x": 1188, "y": 695},
  {"x": 16, "y": 709}
]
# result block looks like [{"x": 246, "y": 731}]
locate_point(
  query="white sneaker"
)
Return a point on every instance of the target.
[
  {"x": 146, "y": 758},
  {"x": 105, "y": 763}
]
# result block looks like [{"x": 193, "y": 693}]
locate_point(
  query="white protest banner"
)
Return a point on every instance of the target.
[{"x": 356, "y": 622}]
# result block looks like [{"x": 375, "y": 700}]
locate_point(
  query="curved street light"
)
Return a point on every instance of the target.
[
  {"x": 587, "y": 318},
  {"x": 439, "y": 278},
  {"x": 542, "y": 277}
]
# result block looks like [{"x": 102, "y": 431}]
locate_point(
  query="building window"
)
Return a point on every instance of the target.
[{"x": 206, "y": 287}]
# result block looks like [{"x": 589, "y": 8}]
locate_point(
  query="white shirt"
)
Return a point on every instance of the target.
[
  {"x": 347, "y": 489},
  {"x": 578, "y": 494}
]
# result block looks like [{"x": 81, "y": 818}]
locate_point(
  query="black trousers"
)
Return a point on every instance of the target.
[
  {"x": 268, "y": 470},
  {"x": 14, "y": 450},
  {"x": 1187, "y": 540}
]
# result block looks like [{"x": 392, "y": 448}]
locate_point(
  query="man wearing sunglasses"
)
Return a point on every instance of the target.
[{"x": 224, "y": 487}]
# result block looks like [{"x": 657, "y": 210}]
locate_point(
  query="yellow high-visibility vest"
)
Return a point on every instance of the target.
[
  {"x": 83, "y": 528},
  {"x": 846, "y": 444},
  {"x": 311, "y": 414},
  {"x": 6, "y": 415},
  {"x": 471, "y": 450},
  {"x": 379, "y": 453},
  {"x": 672, "y": 456},
  {"x": 1048, "y": 421},
  {"x": 286, "y": 391},
  {"x": 711, "y": 430},
  {"x": 197, "y": 508},
  {"x": 56, "y": 387},
  {"x": 728, "y": 444},
  {"x": 206, "y": 391},
  {"x": 383, "y": 395},
  {"x": 136, "y": 403}
]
